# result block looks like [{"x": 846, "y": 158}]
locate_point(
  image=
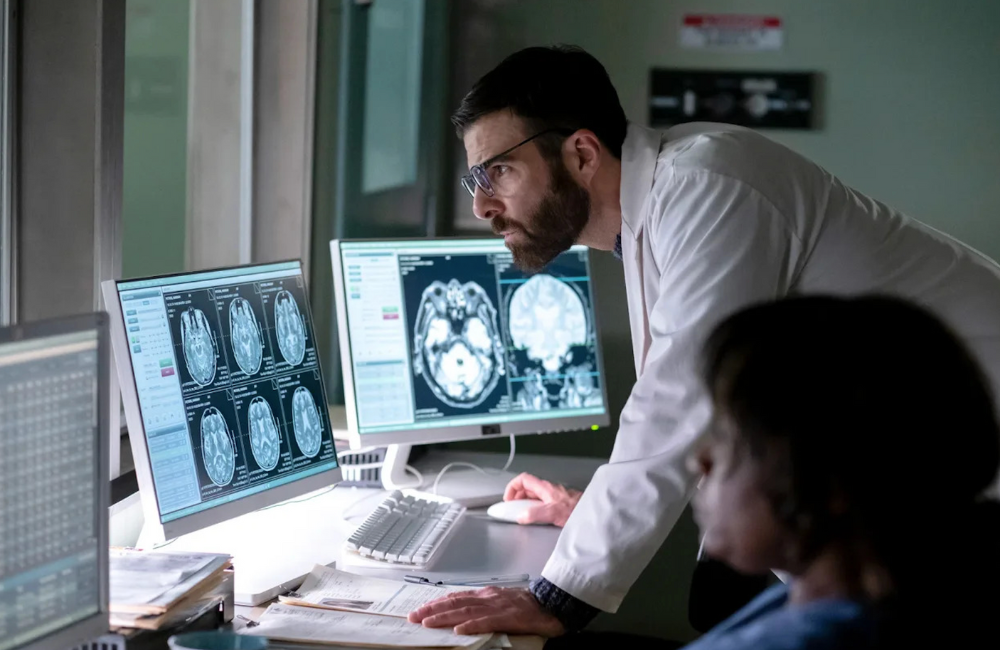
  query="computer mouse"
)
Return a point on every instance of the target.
[{"x": 511, "y": 510}]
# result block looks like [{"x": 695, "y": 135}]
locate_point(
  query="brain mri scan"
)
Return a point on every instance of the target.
[
  {"x": 264, "y": 440},
  {"x": 217, "y": 447},
  {"x": 306, "y": 422},
  {"x": 456, "y": 343},
  {"x": 547, "y": 318},
  {"x": 532, "y": 396},
  {"x": 245, "y": 336},
  {"x": 579, "y": 390},
  {"x": 291, "y": 328},
  {"x": 199, "y": 346}
]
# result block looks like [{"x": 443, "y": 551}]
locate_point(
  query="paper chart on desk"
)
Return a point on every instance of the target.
[
  {"x": 146, "y": 577},
  {"x": 307, "y": 625},
  {"x": 332, "y": 589}
]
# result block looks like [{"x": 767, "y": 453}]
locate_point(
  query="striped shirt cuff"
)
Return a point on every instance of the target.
[{"x": 572, "y": 612}]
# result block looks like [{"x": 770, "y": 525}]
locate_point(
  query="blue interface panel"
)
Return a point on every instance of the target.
[
  {"x": 229, "y": 384},
  {"x": 49, "y": 537},
  {"x": 450, "y": 333}
]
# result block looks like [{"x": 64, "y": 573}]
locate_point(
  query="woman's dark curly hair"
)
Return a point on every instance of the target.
[{"x": 877, "y": 430}]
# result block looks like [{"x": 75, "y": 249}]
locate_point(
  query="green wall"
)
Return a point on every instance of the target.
[{"x": 154, "y": 194}]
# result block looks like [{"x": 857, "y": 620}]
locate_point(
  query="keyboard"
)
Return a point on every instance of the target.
[{"x": 406, "y": 529}]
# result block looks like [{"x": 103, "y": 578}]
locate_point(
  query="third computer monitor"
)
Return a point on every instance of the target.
[
  {"x": 446, "y": 339},
  {"x": 54, "y": 491}
]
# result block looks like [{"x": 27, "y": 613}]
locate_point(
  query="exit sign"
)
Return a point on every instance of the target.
[{"x": 732, "y": 32}]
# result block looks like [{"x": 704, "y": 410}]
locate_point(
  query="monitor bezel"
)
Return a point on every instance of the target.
[
  {"x": 449, "y": 433},
  {"x": 156, "y": 529},
  {"x": 95, "y": 625}
]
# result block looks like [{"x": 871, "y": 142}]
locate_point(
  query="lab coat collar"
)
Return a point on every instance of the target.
[{"x": 639, "y": 153}]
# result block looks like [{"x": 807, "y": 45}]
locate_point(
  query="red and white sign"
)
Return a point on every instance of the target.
[{"x": 732, "y": 32}]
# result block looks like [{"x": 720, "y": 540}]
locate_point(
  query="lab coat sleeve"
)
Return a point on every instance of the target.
[{"x": 717, "y": 245}]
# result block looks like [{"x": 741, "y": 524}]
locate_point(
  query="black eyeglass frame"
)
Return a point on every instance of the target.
[{"x": 478, "y": 177}]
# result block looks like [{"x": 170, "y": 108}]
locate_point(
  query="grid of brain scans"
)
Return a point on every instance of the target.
[
  {"x": 237, "y": 359},
  {"x": 477, "y": 337}
]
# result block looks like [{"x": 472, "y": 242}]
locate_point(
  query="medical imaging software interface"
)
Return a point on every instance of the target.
[
  {"x": 49, "y": 537},
  {"x": 229, "y": 384},
  {"x": 448, "y": 333}
]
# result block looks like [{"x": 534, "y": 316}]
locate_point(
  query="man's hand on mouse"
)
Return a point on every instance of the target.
[
  {"x": 492, "y": 609},
  {"x": 558, "y": 501}
]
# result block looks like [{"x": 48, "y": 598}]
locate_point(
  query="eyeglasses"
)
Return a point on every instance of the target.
[{"x": 478, "y": 175}]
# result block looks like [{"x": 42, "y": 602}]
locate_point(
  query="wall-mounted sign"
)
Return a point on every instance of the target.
[
  {"x": 755, "y": 99},
  {"x": 731, "y": 32}
]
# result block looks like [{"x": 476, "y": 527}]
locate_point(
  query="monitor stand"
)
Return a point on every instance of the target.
[
  {"x": 470, "y": 487},
  {"x": 273, "y": 549}
]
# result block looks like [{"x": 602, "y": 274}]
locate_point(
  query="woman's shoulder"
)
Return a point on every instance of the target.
[{"x": 768, "y": 624}]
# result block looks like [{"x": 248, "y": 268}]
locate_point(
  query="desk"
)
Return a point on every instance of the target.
[
  {"x": 657, "y": 604},
  {"x": 286, "y": 541},
  {"x": 480, "y": 545}
]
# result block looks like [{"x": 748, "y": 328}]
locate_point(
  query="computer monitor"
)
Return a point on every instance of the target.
[
  {"x": 445, "y": 339},
  {"x": 54, "y": 490},
  {"x": 223, "y": 393}
]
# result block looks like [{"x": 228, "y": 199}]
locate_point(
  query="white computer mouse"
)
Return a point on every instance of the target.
[{"x": 511, "y": 510}]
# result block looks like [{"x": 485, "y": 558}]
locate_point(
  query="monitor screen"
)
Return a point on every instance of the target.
[
  {"x": 229, "y": 385},
  {"x": 50, "y": 486},
  {"x": 449, "y": 333}
]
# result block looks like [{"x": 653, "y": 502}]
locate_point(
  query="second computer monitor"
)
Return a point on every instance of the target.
[
  {"x": 223, "y": 392},
  {"x": 448, "y": 340}
]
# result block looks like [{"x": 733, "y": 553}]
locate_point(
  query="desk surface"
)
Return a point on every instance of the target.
[
  {"x": 284, "y": 541},
  {"x": 480, "y": 546}
]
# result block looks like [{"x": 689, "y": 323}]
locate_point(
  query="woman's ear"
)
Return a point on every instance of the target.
[{"x": 700, "y": 461}]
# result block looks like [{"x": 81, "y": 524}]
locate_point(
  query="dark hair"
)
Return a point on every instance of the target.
[
  {"x": 883, "y": 429},
  {"x": 559, "y": 87}
]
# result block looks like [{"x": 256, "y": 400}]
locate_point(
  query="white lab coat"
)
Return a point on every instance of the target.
[{"x": 715, "y": 218}]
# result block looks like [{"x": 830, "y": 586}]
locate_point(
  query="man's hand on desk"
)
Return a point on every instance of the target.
[
  {"x": 557, "y": 505},
  {"x": 493, "y": 609}
]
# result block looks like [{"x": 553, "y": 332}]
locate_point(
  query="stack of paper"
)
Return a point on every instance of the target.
[
  {"x": 337, "y": 608},
  {"x": 149, "y": 589}
]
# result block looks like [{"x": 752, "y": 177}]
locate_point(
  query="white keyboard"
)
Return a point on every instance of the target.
[{"x": 407, "y": 529}]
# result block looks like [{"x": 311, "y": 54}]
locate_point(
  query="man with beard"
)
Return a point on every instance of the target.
[{"x": 707, "y": 219}]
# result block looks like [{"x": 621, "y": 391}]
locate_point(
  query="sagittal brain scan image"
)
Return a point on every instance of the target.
[
  {"x": 264, "y": 440},
  {"x": 245, "y": 336},
  {"x": 291, "y": 328},
  {"x": 456, "y": 343},
  {"x": 306, "y": 422},
  {"x": 199, "y": 346},
  {"x": 217, "y": 447},
  {"x": 547, "y": 321}
]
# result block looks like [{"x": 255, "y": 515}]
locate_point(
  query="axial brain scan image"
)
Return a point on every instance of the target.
[
  {"x": 291, "y": 328},
  {"x": 199, "y": 346},
  {"x": 264, "y": 440},
  {"x": 306, "y": 422},
  {"x": 217, "y": 447},
  {"x": 456, "y": 343},
  {"x": 245, "y": 336}
]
